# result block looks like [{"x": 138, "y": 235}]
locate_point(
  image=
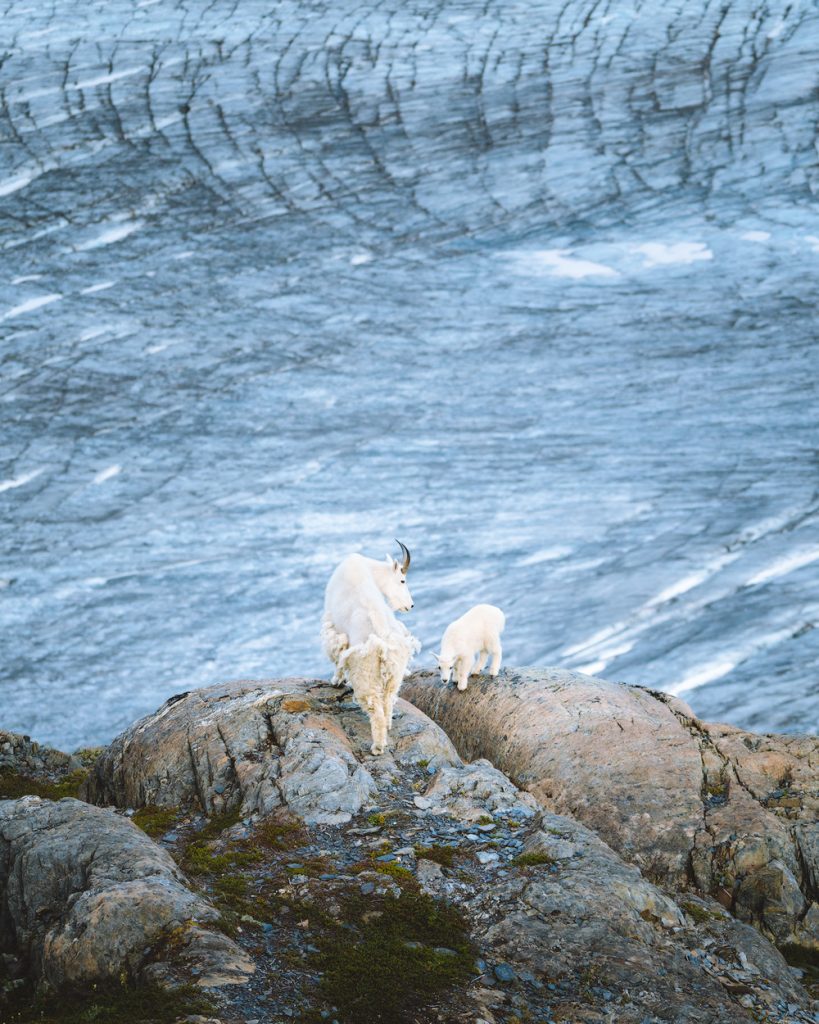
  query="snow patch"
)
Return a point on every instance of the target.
[
  {"x": 560, "y": 263},
  {"x": 30, "y": 305},
  {"x": 784, "y": 566},
  {"x": 110, "y": 236},
  {"x": 106, "y": 474},
  {"x": 101, "y": 287},
  {"x": 19, "y": 481},
  {"x": 659, "y": 254}
]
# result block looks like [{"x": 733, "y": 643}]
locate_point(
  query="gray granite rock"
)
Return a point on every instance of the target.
[
  {"x": 258, "y": 746},
  {"x": 86, "y": 895}
]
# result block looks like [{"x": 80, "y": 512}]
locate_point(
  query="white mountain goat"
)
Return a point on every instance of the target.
[
  {"x": 360, "y": 634},
  {"x": 469, "y": 641}
]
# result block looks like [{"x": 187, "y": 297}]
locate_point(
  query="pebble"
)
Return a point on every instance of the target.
[
  {"x": 386, "y": 857},
  {"x": 503, "y": 972},
  {"x": 422, "y": 803},
  {"x": 486, "y": 856},
  {"x": 367, "y": 888}
]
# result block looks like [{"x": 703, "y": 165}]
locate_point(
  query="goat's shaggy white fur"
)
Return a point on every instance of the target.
[
  {"x": 360, "y": 634},
  {"x": 469, "y": 641}
]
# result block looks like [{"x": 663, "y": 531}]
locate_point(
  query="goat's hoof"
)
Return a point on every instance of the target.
[
  {"x": 461, "y": 688},
  {"x": 376, "y": 749}
]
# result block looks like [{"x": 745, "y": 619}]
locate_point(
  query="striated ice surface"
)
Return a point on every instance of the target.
[{"x": 530, "y": 286}]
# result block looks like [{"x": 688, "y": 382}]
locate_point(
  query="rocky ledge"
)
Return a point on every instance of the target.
[
  {"x": 415, "y": 886},
  {"x": 695, "y": 805}
]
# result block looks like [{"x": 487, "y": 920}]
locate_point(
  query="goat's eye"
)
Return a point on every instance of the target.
[{"x": 404, "y": 582}]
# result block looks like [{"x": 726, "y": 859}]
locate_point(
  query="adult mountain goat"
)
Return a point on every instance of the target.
[
  {"x": 469, "y": 641},
  {"x": 360, "y": 634}
]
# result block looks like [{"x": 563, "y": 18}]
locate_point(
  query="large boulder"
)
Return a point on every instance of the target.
[
  {"x": 692, "y": 804},
  {"x": 85, "y": 896}
]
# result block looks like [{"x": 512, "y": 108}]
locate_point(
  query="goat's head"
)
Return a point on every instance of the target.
[
  {"x": 395, "y": 589},
  {"x": 444, "y": 666}
]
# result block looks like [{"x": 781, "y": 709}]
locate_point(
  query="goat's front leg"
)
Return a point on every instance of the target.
[
  {"x": 462, "y": 672},
  {"x": 494, "y": 668},
  {"x": 390, "y": 697},
  {"x": 481, "y": 661}
]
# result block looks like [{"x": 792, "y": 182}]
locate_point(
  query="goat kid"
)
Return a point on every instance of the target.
[{"x": 469, "y": 642}]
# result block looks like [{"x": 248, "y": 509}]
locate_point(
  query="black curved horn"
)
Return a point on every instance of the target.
[{"x": 406, "y": 564}]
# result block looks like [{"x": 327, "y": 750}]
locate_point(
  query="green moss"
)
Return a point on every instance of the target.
[
  {"x": 218, "y": 823},
  {"x": 199, "y": 859},
  {"x": 89, "y": 755},
  {"x": 530, "y": 860},
  {"x": 486, "y": 819},
  {"x": 106, "y": 1003},
  {"x": 440, "y": 854},
  {"x": 279, "y": 833},
  {"x": 377, "y": 819},
  {"x": 699, "y": 913},
  {"x": 396, "y": 871},
  {"x": 156, "y": 821},
  {"x": 14, "y": 785},
  {"x": 232, "y": 886},
  {"x": 391, "y": 965},
  {"x": 311, "y": 866}
]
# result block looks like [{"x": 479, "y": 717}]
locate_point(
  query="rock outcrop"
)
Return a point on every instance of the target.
[
  {"x": 258, "y": 747},
  {"x": 568, "y": 923},
  {"x": 86, "y": 896},
  {"x": 692, "y": 804}
]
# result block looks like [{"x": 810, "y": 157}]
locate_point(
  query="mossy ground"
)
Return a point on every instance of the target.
[
  {"x": 392, "y": 957},
  {"x": 104, "y": 1003},
  {"x": 443, "y": 855},
  {"x": 699, "y": 913},
  {"x": 156, "y": 821},
  {"x": 13, "y": 785},
  {"x": 531, "y": 860}
]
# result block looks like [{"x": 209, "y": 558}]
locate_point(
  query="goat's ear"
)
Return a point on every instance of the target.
[
  {"x": 390, "y": 561},
  {"x": 437, "y": 657}
]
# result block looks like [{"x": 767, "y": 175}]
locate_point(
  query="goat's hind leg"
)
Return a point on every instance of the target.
[
  {"x": 483, "y": 657},
  {"x": 494, "y": 668},
  {"x": 378, "y": 725}
]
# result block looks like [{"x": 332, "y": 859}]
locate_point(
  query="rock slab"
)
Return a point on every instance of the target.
[
  {"x": 85, "y": 895},
  {"x": 691, "y": 803}
]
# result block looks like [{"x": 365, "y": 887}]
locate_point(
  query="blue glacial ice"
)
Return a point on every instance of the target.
[{"x": 531, "y": 287}]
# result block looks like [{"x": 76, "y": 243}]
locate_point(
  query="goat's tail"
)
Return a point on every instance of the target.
[{"x": 333, "y": 643}]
